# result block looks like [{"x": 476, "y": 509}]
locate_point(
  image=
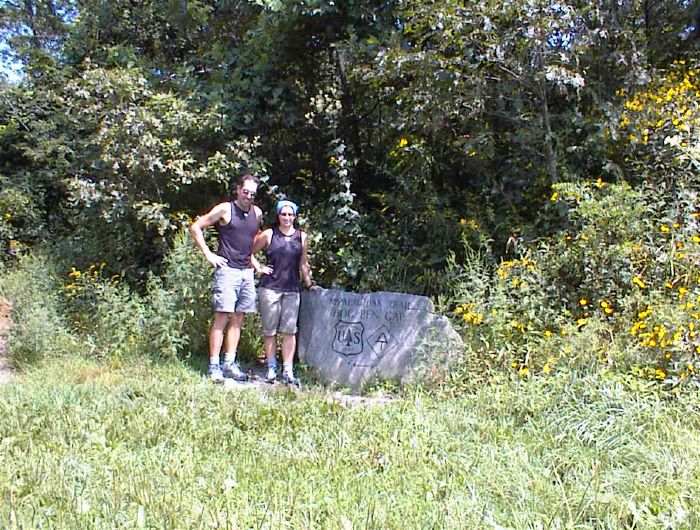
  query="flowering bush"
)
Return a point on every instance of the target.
[
  {"x": 659, "y": 127},
  {"x": 105, "y": 311},
  {"x": 616, "y": 290}
]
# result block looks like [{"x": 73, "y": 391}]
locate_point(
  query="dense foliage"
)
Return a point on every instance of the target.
[{"x": 532, "y": 165}]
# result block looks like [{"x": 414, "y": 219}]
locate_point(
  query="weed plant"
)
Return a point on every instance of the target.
[
  {"x": 180, "y": 306},
  {"x": 39, "y": 326}
]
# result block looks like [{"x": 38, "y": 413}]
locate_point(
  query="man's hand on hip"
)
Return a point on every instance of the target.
[{"x": 217, "y": 261}]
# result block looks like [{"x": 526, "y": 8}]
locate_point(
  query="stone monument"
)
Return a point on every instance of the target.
[{"x": 352, "y": 338}]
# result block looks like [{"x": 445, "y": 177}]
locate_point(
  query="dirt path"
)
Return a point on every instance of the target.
[
  {"x": 6, "y": 372},
  {"x": 343, "y": 398}
]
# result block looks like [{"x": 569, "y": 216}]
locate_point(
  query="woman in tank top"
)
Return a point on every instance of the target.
[{"x": 278, "y": 293}]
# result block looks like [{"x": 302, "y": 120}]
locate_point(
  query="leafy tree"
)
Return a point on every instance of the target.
[{"x": 390, "y": 122}]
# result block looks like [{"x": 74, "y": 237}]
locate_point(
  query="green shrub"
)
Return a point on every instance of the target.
[
  {"x": 600, "y": 251},
  {"x": 59, "y": 311},
  {"x": 179, "y": 306},
  {"x": 21, "y": 219},
  {"x": 106, "y": 312},
  {"x": 39, "y": 329}
]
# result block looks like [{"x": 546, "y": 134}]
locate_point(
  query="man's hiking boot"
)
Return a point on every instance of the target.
[
  {"x": 271, "y": 374},
  {"x": 290, "y": 379},
  {"x": 231, "y": 370},
  {"x": 214, "y": 373}
]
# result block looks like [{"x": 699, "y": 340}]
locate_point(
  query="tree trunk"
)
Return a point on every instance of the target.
[
  {"x": 647, "y": 32},
  {"x": 549, "y": 147},
  {"x": 30, "y": 11}
]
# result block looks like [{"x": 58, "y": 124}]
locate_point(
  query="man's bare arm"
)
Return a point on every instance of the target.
[{"x": 197, "y": 230}]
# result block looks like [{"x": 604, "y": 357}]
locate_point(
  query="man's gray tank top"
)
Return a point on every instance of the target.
[
  {"x": 236, "y": 238},
  {"x": 283, "y": 255}
]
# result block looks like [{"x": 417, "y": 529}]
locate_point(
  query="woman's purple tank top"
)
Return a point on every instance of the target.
[
  {"x": 283, "y": 255},
  {"x": 236, "y": 238}
]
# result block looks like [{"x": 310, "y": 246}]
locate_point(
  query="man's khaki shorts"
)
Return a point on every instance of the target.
[
  {"x": 278, "y": 311},
  {"x": 233, "y": 290}
]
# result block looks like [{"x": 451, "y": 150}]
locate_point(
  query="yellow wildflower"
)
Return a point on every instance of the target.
[
  {"x": 583, "y": 301},
  {"x": 646, "y": 313},
  {"x": 639, "y": 282}
]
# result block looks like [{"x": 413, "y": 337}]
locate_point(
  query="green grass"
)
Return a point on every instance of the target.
[{"x": 86, "y": 445}]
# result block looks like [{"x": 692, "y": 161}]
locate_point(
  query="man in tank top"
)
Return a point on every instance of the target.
[
  {"x": 287, "y": 263},
  {"x": 233, "y": 294}
]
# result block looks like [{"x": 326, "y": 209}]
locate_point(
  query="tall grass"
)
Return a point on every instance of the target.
[
  {"x": 83, "y": 445},
  {"x": 39, "y": 327}
]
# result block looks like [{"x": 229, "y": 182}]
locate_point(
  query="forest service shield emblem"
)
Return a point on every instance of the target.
[{"x": 348, "y": 339}]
